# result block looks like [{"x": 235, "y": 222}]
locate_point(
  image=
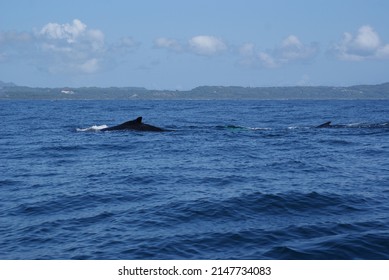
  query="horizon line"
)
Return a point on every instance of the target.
[{"x": 221, "y": 86}]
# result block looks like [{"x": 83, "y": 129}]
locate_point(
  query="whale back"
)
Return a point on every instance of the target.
[
  {"x": 134, "y": 125},
  {"x": 326, "y": 124}
]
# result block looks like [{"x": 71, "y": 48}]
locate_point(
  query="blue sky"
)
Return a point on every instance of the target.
[{"x": 173, "y": 44}]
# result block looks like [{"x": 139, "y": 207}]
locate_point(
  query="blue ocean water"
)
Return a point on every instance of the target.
[{"x": 234, "y": 180}]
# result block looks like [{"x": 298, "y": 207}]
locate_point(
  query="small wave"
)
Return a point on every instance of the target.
[
  {"x": 369, "y": 125},
  {"x": 8, "y": 182},
  {"x": 333, "y": 246},
  {"x": 230, "y": 127},
  {"x": 237, "y": 127},
  {"x": 93, "y": 128}
]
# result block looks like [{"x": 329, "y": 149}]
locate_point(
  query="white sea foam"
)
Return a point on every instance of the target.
[
  {"x": 259, "y": 128},
  {"x": 93, "y": 128}
]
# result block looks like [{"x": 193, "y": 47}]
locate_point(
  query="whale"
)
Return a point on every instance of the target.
[
  {"x": 354, "y": 125},
  {"x": 330, "y": 125},
  {"x": 324, "y": 125},
  {"x": 136, "y": 124}
]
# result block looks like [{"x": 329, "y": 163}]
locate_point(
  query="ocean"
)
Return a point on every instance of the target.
[{"x": 232, "y": 180}]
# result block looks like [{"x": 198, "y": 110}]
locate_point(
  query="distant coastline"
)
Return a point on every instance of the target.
[{"x": 10, "y": 91}]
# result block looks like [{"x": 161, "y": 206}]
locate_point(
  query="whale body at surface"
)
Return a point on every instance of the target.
[
  {"x": 136, "y": 124},
  {"x": 383, "y": 125},
  {"x": 326, "y": 124}
]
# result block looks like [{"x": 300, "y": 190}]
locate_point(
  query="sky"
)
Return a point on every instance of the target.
[{"x": 182, "y": 44}]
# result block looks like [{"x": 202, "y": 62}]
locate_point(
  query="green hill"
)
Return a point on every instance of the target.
[{"x": 10, "y": 91}]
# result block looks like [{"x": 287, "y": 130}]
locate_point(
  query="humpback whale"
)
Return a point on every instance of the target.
[
  {"x": 136, "y": 124},
  {"x": 354, "y": 125},
  {"x": 326, "y": 124}
]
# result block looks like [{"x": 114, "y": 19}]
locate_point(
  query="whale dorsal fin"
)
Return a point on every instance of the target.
[
  {"x": 139, "y": 120},
  {"x": 326, "y": 124}
]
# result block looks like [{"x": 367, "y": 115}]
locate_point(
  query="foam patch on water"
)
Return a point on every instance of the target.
[
  {"x": 93, "y": 128},
  {"x": 259, "y": 128}
]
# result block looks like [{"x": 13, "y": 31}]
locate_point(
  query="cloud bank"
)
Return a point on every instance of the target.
[
  {"x": 72, "y": 47},
  {"x": 75, "y": 48},
  {"x": 169, "y": 44},
  {"x": 68, "y": 32},
  {"x": 206, "y": 45},
  {"x": 203, "y": 45},
  {"x": 64, "y": 48},
  {"x": 290, "y": 50},
  {"x": 366, "y": 44}
]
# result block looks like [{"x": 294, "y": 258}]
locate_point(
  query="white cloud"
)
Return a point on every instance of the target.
[
  {"x": 366, "y": 44},
  {"x": 267, "y": 60},
  {"x": 75, "y": 35},
  {"x": 201, "y": 45},
  {"x": 166, "y": 43},
  {"x": 206, "y": 45},
  {"x": 68, "y": 32},
  {"x": 74, "y": 46},
  {"x": 64, "y": 48},
  {"x": 383, "y": 52},
  {"x": 291, "y": 49},
  {"x": 95, "y": 38},
  {"x": 367, "y": 39}
]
